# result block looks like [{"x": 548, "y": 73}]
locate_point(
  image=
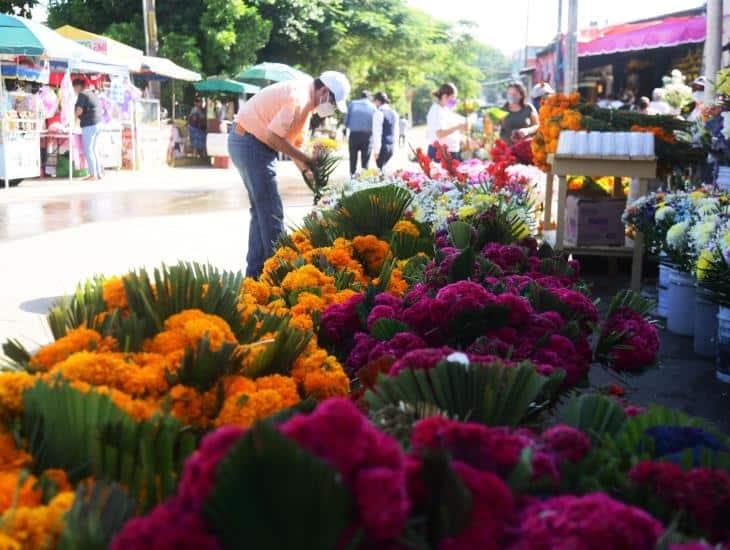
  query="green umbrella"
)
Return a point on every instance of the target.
[
  {"x": 225, "y": 86},
  {"x": 17, "y": 39},
  {"x": 266, "y": 73}
]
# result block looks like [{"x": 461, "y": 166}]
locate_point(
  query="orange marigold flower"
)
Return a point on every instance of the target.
[
  {"x": 59, "y": 477},
  {"x": 8, "y": 543},
  {"x": 301, "y": 239},
  {"x": 238, "y": 384},
  {"x": 10, "y": 456},
  {"x": 322, "y": 383},
  {"x": 306, "y": 276},
  {"x": 10, "y": 482},
  {"x": 189, "y": 406},
  {"x": 244, "y": 409},
  {"x": 372, "y": 250},
  {"x": 78, "y": 339},
  {"x": 12, "y": 387},
  {"x": 259, "y": 291},
  {"x": 406, "y": 227},
  {"x": 38, "y": 526},
  {"x": 115, "y": 296},
  {"x": 397, "y": 285},
  {"x": 186, "y": 329},
  {"x": 284, "y": 385}
]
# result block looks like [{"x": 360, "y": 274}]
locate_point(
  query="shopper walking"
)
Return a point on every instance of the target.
[
  {"x": 385, "y": 126},
  {"x": 403, "y": 127},
  {"x": 359, "y": 122},
  {"x": 275, "y": 120},
  {"x": 88, "y": 110},
  {"x": 443, "y": 126}
]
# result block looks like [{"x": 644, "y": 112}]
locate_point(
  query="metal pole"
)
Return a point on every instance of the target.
[
  {"x": 560, "y": 16},
  {"x": 3, "y": 143},
  {"x": 713, "y": 46},
  {"x": 571, "y": 49}
]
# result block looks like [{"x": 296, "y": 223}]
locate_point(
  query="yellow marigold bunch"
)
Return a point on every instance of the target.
[
  {"x": 38, "y": 526},
  {"x": 186, "y": 329},
  {"x": 10, "y": 456},
  {"x": 12, "y": 387},
  {"x": 8, "y": 543},
  {"x": 270, "y": 395},
  {"x": 556, "y": 114},
  {"x": 406, "y": 227},
  {"x": 24, "y": 484},
  {"x": 135, "y": 374},
  {"x": 306, "y": 276},
  {"x": 319, "y": 373},
  {"x": 301, "y": 240},
  {"x": 372, "y": 250},
  {"x": 78, "y": 339},
  {"x": 115, "y": 296}
]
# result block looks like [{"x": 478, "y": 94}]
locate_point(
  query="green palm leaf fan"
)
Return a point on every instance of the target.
[
  {"x": 493, "y": 394},
  {"x": 371, "y": 211},
  {"x": 272, "y": 494}
]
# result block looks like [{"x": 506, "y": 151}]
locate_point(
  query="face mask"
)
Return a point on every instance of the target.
[
  {"x": 513, "y": 98},
  {"x": 325, "y": 109},
  {"x": 699, "y": 97},
  {"x": 451, "y": 103}
]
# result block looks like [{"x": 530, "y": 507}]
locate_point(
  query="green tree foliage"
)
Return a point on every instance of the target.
[
  {"x": 17, "y": 7},
  {"x": 380, "y": 44}
]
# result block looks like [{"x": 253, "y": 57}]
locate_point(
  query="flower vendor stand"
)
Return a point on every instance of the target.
[{"x": 640, "y": 169}]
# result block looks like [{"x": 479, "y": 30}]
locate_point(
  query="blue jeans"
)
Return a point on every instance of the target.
[
  {"x": 89, "y": 138},
  {"x": 256, "y": 162}
]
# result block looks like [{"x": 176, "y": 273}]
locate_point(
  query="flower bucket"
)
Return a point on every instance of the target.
[
  {"x": 681, "y": 307},
  {"x": 662, "y": 305},
  {"x": 705, "y": 343},
  {"x": 723, "y": 344}
]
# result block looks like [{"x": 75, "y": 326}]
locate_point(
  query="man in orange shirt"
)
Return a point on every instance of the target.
[{"x": 274, "y": 120}]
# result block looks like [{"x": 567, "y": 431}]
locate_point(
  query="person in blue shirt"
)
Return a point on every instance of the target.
[{"x": 359, "y": 123}]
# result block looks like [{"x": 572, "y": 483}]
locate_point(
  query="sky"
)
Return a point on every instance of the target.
[{"x": 505, "y": 24}]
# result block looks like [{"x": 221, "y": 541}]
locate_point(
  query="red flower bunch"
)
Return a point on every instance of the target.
[
  {"x": 448, "y": 162},
  {"x": 424, "y": 161},
  {"x": 502, "y": 158},
  {"x": 638, "y": 345},
  {"x": 590, "y": 522},
  {"x": 522, "y": 151},
  {"x": 703, "y": 493}
]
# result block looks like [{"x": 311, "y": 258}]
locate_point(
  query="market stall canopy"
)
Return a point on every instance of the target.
[
  {"x": 162, "y": 67},
  {"x": 104, "y": 45},
  {"x": 266, "y": 73},
  {"x": 17, "y": 39},
  {"x": 225, "y": 86},
  {"x": 61, "y": 51},
  {"x": 659, "y": 33}
]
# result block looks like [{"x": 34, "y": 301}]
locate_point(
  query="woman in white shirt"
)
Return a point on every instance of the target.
[{"x": 443, "y": 125}]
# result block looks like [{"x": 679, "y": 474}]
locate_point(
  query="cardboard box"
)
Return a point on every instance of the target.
[{"x": 594, "y": 222}]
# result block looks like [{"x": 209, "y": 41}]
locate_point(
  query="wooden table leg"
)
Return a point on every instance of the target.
[
  {"x": 560, "y": 214},
  {"x": 637, "y": 261},
  {"x": 548, "y": 207}
]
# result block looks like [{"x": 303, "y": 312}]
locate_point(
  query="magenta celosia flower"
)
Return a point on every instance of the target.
[
  {"x": 170, "y": 526},
  {"x": 358, "y": 357},
  {"x": 560, "y": 352},
  {"x": 580, "y": 305},
  {"x": 492, "y": 507},
  {"x": 397, "y": 346},
  {"x": 702, "y": 493},
  {"x": 381, "y": 312},
  {"x": 340, "y": 321},
  {"x": 427, "y": 317},
  {"x": 639, "y": 343},
  {"x": 590, "y": 522},
  {"x": 519, "y": 308},
  {"x": 371, "y": 463},
  {"x": 508, "y": 257},
  {"x": 566, "y": 443},
  {"x": 420, "y": 359}
]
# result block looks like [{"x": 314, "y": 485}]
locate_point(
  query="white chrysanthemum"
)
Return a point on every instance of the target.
[
  {"x": 664, "y": 213},
  {"x": 677, "y": 235},
  {"x": 701, "y": 233}
]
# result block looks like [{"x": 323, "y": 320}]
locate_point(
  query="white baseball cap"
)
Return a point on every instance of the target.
[
  {"x": 338, "y": 84},
  {"x": 541, "y": 89}
]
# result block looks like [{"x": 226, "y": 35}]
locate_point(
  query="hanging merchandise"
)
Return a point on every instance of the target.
[
  {"x": 68, "y": 100},
  {"x": 49, "y": 102}
]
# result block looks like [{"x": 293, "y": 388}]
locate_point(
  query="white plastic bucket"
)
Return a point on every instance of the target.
[
  {"x": 681, "y": 306},
  {"x": 723, "y": 344},
  {"x": 662, "y": 304},
  {"x": 706, "y": 310}
]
